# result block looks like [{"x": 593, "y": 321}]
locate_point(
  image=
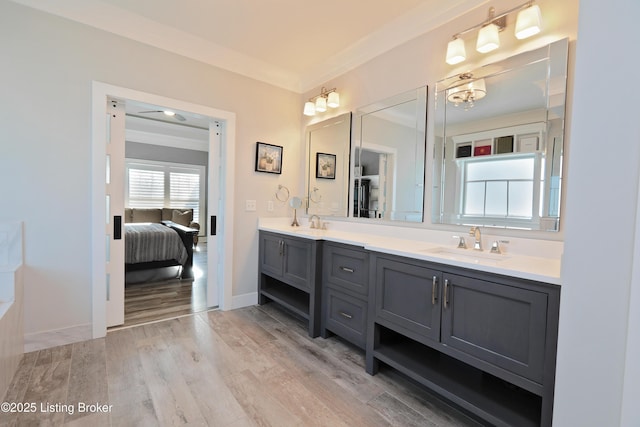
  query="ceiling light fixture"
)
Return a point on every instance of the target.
[
  {"x": 327, "y": 98},
  {"x": 528, "y": 23},
  {"x": 466, "y": 91}
]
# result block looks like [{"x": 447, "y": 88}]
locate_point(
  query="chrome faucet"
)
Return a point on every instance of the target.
[
  {"x": 313, "y": 223},
  {"x": 475, "y": 232}
]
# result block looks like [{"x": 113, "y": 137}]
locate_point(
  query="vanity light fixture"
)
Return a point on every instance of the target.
[
  {"x": 528, "y": 23},
  {"x": 327, "y": 98}
]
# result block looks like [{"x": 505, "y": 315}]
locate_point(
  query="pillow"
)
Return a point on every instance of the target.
[{"x": 181, "y": 217}]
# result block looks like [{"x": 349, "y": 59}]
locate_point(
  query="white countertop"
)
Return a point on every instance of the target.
[{"x": 510, "y": 264}]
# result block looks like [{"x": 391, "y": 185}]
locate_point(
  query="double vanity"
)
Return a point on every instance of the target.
[
  {"x": 477, "y": 328},
  {"x": 474, "y": 321}
]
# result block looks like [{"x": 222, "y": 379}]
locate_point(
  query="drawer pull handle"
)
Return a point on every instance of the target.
[
  {"x": 348, "y": 316},
  {"x": 446, "y": 292},
  {"x": 434, "y": 286},
  {"x": 347, "y": 269}
]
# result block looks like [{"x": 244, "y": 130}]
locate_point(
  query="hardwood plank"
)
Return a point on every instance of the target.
[
  {"x": 172, "y": 400},
  {"x": 88, "y": 381},
  {"x": 258, "y": 402},
  {"x": 398, "y": 413},
  {"x": 48, "y": 385},
  {"x": 128, "y": 390}
]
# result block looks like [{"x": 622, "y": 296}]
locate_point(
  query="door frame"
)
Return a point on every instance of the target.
[{"x": 101, "y": 92}]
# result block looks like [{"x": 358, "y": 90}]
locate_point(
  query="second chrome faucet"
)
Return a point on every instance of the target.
[{"x": 475, "y": 232}]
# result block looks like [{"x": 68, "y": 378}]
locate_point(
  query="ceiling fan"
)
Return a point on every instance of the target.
[{"x": 169, "y": 113}]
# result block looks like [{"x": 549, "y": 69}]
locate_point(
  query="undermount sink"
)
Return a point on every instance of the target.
[{"x": 467, "y": 255}]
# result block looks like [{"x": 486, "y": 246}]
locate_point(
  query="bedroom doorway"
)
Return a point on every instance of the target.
[
  {"x": 218, "y": 206},
  {"x": 166, "y": 172}
]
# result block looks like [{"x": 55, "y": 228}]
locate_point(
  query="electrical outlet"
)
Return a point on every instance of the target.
[
  {"x": 270, "y": 206},
  {"x": 250, "y": 205}
]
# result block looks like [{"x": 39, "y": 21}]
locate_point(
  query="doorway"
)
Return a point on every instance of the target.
[
  {"x": 220, "y": 201},
  {"x": 166, "y": 171}
]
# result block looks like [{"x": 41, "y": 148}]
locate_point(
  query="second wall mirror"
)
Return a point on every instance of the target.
[{"x": 388, "y": 158}]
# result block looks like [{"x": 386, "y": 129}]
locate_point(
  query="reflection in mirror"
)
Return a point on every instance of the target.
[
  {"x": 389, "y": 159},
  {"x": 328, "y": 148},
  {"x": 498, "y": 142}
]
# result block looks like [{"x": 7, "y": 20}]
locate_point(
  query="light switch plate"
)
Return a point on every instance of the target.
[
  {"x": 270, "y": 205},
  {"x": 250, "y": 205}
]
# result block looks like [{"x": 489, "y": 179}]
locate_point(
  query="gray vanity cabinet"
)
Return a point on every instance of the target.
[
  {"x": 345, "y": 290},
  {"x": 289, "y": 274},
  {"x": 484, "y": 341}
]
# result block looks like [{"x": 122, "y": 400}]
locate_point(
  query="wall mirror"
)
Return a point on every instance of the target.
[
  {"x": 498, "y": 138},
  {"x": 389, "y": 158},
  {"x": 328, "y": 150}
]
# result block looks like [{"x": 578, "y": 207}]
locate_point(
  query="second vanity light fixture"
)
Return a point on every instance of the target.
[
  {"x": 528, "y": 23},
  {"x": 327, "y": 98}
]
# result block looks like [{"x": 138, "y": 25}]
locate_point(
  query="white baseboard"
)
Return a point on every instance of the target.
[
  {"x": 244, "y": 300},
  {"x": 54, "y": 338}
]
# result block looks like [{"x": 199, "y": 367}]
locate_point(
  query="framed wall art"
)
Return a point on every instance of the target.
[
  {"x": 268, "y": 158},
  {"x": 325, "y": 166}
]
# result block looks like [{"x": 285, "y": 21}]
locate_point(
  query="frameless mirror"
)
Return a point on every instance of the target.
[
  {"x": 389, "y": 158},
  {"x": 498, "y": 138},
  {"x": 328, "y": 148}
]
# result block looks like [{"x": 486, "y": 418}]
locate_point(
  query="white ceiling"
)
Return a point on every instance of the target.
[{"x": 295, "y": 44}]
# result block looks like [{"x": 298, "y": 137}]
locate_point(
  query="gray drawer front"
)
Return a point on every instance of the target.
[
  {"x": 346, "y": 316},
  {"x": 347, "y": 268}
]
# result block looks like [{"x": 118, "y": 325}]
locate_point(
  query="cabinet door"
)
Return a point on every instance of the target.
[
  {"x": 271, "y": 249},
  {"x": 408, "y": 295},
  {"x": 500, "y": 324},
  {"x": 297, "y": 267}
]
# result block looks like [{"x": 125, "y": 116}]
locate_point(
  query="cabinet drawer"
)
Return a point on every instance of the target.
[
  {"x": 347, "y": 268},
  {"x": 346, "y": 316}
]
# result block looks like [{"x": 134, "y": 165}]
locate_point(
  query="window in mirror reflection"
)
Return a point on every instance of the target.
[{"x": 502, "y": 187}]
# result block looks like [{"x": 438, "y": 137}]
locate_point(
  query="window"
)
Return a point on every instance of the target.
[
  {"x": 499, "y": 188},
  {"x": 159, "y": 184}
]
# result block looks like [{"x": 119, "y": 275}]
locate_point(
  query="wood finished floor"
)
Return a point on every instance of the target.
[
  {"x": 254, "y": 366},
  {"x": 147, "y": 302}
]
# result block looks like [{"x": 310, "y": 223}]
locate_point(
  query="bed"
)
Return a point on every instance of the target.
[{"x": 153, "y": 249}]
